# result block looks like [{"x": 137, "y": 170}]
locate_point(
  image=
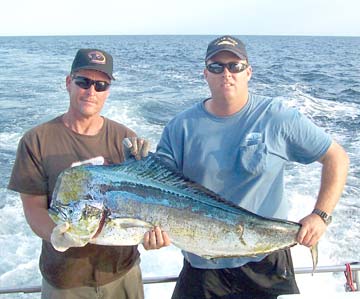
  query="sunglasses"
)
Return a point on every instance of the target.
[
  {"x": 86, "y": 83},
  {"x": 233, "y": 67}
]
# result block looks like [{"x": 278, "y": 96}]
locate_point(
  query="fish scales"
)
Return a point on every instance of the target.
[{"x": 137, "y": 195}]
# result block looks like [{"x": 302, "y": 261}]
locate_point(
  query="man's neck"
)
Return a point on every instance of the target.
[
  {"x": 225, "y": 107},
  {"x": 83, "y": 125}
]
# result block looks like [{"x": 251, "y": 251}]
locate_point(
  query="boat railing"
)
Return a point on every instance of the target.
[{"x": 355, "y": 270}]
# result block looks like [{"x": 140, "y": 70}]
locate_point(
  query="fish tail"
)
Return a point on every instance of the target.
[{"x": 314, "y": 255}]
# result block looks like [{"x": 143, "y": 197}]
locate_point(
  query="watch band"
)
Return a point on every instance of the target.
[{"x": 323, "y": 215}]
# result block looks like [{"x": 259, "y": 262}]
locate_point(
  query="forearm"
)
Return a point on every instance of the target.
[
  {"x": 36, "y": 214},
  {"x": 41, "y": 224},
  {"x": 333, "y": 178},
  {"x": 334, "y": 172}
]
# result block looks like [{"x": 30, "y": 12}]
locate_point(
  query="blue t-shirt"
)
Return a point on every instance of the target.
[{"x": 242, "y": 157}]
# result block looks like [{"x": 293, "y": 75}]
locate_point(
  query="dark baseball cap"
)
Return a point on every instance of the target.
[
  {"x": 226, "y": 43},
  {"x": 93, "y": 59}
]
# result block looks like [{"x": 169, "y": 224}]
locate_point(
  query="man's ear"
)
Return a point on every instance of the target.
[
  {"x": 68, "y": 82},
  {"x": 249, "y": 72},
  {"x": 205, "y": 74}
]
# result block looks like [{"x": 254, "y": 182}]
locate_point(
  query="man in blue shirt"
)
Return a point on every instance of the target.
[{"x": 237, "y": 144}]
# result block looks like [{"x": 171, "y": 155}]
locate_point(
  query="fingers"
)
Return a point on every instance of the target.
[
  {"x": 156, "y": 239},
  {"x": 305, "y": 237},
  {"x": 145, "y": 149},
  {"x": 311, "y": 230},
  {"x": 166, "y": 239},
  {"x": 127, "y": 143},
  {"x": 136, "y": 146},
  {"x": 127, "y": 146}
]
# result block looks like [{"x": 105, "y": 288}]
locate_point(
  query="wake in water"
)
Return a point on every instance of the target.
[{"x": 148, "y": 93}]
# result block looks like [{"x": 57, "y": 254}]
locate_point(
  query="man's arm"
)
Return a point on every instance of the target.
[
  {"x": 335, "y": 164},
  {"x": 36, "y": 214}
]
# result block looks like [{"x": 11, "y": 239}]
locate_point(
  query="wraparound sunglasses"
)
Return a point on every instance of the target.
[
  {"x": 86, "y": 83},
  {"x": 233, "y": 67}
]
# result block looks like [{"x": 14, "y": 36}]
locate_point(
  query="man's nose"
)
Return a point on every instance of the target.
[
  {"x": 92, "y": 90},
  {"x": 226, "y": 72}
]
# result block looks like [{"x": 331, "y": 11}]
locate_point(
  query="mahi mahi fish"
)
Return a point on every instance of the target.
[{"x": 117, "y": 204}]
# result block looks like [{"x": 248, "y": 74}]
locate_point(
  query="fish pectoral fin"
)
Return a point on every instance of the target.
[
  {"x": 240, "y": 231},
  {"x": 125, "y": 223},
  {"x": 122, "y": 232}
]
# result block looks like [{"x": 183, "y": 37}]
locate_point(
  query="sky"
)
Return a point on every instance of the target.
[{"x": 137, "y": 17}]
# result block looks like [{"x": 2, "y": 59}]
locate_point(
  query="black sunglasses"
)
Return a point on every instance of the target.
[
  {"x": 85, "y": 83},
  {"x": 233, "y": 67}
]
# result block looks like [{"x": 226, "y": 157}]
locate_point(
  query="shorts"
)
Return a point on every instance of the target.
[
  {"x": 128, "y": 286},
  {"x": 267, "y": 279}
]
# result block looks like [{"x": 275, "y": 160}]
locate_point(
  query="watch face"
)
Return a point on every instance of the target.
[
  {"x": 328, "y": 219},
  {"x": 325, "y": 217}
]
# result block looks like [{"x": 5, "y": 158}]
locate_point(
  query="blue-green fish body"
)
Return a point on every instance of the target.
[{"x": 117, "y": 204}]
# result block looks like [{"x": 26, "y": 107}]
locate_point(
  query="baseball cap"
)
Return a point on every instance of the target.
[
  {"x": 226, "y": 43},
  {"x": 93, "y": 59}
]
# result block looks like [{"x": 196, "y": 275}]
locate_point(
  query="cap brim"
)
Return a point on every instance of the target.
[
  {"x": 225, "y": 50},
  {"x": 93, "y": 69}
]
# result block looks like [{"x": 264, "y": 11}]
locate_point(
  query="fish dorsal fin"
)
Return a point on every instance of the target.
[{"x": 153, "y": 170}]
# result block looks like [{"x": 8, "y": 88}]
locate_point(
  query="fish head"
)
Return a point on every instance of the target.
[
  {"x": 85, "y": 217},
  {"x": 77, "y": 202}
]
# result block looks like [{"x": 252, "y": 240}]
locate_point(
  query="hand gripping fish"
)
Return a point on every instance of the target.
[{"x": 117, "y": 204}]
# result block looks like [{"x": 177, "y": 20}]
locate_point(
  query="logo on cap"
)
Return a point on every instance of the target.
[
  {"x": 227, "y": 41},
  {"x": 97, "y": 57}
]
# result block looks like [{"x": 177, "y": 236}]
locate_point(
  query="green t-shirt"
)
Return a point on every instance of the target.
[{"x": 43, "y": 153}]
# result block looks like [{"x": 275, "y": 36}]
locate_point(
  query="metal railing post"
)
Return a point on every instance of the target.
[{"x": 356, "y": 274}]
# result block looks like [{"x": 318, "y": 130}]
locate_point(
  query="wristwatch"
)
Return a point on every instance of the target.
[{"x": 324, "y": 216}]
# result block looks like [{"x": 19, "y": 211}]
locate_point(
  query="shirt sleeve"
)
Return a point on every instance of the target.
[
  {"x": 305, "y": 142},
  {"x": 28, "y": 175},
  {"x": 165, "y": 150}
]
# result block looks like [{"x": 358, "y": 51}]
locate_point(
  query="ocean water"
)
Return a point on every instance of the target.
[{"x": 159, "y": 76}]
